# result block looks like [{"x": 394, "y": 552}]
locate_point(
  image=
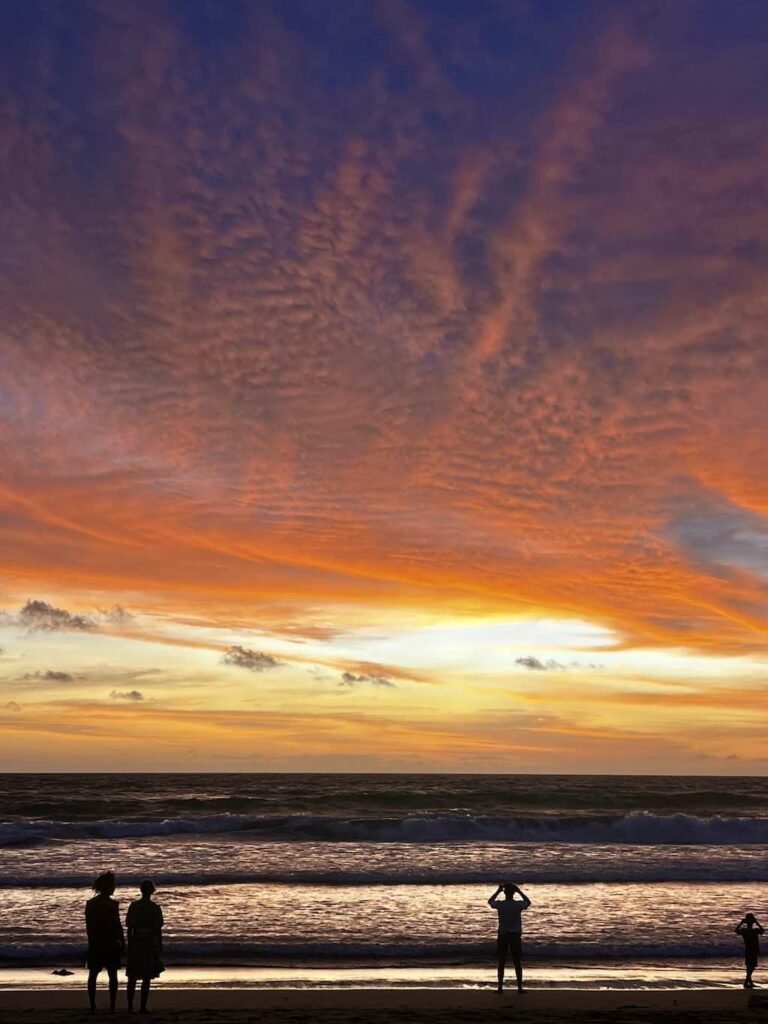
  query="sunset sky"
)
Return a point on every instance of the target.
[{"x": 383, "y": 386}]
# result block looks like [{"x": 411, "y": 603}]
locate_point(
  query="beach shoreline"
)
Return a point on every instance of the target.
[
  {"x": 655, "y": 975},
  {"x": 226, "y": 1006}
]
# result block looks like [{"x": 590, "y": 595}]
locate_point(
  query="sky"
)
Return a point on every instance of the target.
[{"x": 383, "y": 386}]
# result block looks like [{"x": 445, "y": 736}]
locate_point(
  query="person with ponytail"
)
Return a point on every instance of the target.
[{"x": 106, "y": 941}]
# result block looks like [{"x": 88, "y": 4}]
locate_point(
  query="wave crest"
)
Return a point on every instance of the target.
[{"x": 637, "y": 828}]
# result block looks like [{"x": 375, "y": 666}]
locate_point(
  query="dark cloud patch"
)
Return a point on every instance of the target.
[
  {"x": 37, "y": 615},
  {"x": 349, "y": 680},
  {"x": 40, "y": 615},
  {"x": 49, "y": 676},
  {"x": 254, "y": 661},
  {"x": 534, "y": 664},
  {"x": 129, "y": 695},
  {"x": 12, "y": 706}
]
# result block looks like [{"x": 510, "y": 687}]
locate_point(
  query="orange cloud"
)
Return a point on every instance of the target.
[{"x": 459, "y": 346}]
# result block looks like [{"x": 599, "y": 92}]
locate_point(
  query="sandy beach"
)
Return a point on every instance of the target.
[{"x": 227, "y": 1006}]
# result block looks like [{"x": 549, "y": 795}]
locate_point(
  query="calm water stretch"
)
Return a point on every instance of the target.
[{"x": 386, "y": 871}]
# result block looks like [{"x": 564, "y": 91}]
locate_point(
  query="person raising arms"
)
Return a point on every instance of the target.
[
  {"x": 510, "y": 937},
  {"x": 750, "y": 929}
]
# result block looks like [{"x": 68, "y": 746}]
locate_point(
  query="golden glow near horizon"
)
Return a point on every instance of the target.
[
  {"x": 526, "y": 694},
  {"x": 410, "y": 418}
]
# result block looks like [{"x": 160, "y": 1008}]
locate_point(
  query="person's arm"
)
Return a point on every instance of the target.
[
  {"x": 739, "y": 927},
  {"x": 520, "y": 892},
  {"x": 119, "y": 927},
  {"x": 88, "y": 921},
  {"x": 759, "y": 927},
  {"x": 160, "y": 923},
  {"x": 494, "y": 899}
]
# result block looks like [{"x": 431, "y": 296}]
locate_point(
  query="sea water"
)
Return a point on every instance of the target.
[{"x": 384, "y": 878}]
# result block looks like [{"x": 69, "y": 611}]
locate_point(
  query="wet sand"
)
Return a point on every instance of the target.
[{"x": 376, "y": 1006}]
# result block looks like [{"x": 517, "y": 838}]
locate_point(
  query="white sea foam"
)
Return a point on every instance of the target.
[{"x": 636, "y": 828}]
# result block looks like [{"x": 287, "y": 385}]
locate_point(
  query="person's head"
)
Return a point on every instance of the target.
[
  {"x": 749, "y": 919},
  {"x": 105, "y": 884},
  {"x": 509, "y": 891},
  {"x": 147, "y": 887}
]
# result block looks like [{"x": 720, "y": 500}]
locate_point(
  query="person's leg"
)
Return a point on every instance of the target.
[
  {"x": 145, "y": 993},
  {"x": 112, "y": 988},
  {"x": 92, "y": 976},
  {"x": 130, "y": 991},
  {"x": 748, "y": 982},
  {"x": 517, "y": 956},
  {"x": 501, "y": 952}
]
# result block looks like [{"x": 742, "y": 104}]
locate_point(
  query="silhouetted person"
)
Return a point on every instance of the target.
[
  {"x": 750, "y": 929},
  {"x": 510, "y": 938},
  {"x": 144, "y": 923},
  {"x": 106, "y": 941}
]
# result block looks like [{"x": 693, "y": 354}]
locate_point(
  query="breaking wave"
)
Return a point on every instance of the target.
[{"x": 637, "y": 828}]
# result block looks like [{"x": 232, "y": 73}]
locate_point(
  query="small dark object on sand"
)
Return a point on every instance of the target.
[{"x": 63, "y": 972}]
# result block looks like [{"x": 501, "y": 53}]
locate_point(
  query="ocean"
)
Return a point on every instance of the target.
[{"x": 387, "y": 876}]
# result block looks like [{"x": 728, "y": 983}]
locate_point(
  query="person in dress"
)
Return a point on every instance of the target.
[
  {"x": 750, "y": 929},
  {"x": 510, "y": 937},
  {"x": 106, "y": 941},
  {"x": 144, "y": 923}
]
